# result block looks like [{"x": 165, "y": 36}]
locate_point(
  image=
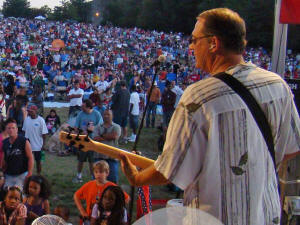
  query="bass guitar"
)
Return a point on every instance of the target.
[{"x": 85, "y": 143}]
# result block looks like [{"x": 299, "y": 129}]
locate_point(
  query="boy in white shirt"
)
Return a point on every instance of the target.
[
  {"x": 35, "y": 130},
  {"x": 134, "y": 112}
]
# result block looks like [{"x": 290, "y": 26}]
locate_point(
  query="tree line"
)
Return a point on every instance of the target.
[{"x": 161, "y": 15}]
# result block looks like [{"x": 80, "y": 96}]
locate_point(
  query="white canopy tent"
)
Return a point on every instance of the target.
[{"x": 40, "y": 18}]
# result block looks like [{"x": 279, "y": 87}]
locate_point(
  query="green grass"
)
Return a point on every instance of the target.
[{"x": 61, "y": 170}]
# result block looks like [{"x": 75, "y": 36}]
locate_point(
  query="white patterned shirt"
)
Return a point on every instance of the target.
[{"x": 216, "y": 153}]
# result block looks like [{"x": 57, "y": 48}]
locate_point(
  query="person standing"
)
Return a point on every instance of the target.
[
  {"x": 168, "y": 100},
  {"x": 18, "y": 112},
  {"x": 120, "y": 108},
  {"x": 154, "y": 100},
  {"x": 3, "y": 136},
  {"x": 134, "y": 112},
  {"x": 35, "y": 130},
  {"x": 18, "y": 160},
  {"x": 75, "y": 96},
  {"x": 108, "y": 133},
  {"x": 214, "y": 148},
  {"x": 177, "y": 90},
  {"x": 2, "y": 103},
  {"x": 86, "y": 120}
]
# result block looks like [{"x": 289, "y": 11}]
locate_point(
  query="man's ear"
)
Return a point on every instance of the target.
[{"x": 215, "y": 44}]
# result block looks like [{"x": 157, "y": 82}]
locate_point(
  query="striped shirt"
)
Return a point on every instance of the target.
[
  {"x": 19, "y": 213},
  {"x": 216, "y": 153}
]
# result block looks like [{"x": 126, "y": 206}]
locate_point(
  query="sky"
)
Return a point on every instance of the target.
[{"x": 40, "y": 3}]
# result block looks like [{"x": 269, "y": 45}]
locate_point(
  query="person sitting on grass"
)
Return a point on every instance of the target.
[
  {"x": 12, "y": 210},
  {"x": 111, "y": 208},
  {"x": 52, "y": 121},
  {"x": 91, "y": 192}
]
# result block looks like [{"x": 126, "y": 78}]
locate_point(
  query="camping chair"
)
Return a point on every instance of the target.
[{"x": 61, "y": 88}]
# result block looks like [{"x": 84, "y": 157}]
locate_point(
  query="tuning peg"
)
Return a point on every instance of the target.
[
  {"x": 87, "y": 136},
  {"x": 136, "y": 152},
  {"x": 80, "y": 147},
  {"x": 72, "y": 143},
  {"x": 79, "y": 131},
  {"x": 69, "y": 134}
]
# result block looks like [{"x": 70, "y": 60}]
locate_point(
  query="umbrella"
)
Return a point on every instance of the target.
[
  {"x": 40, "y": 18},
  {"x": 58, "y": 43}
]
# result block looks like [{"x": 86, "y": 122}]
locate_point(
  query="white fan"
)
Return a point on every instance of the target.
[{"x": 49, "y": 220}]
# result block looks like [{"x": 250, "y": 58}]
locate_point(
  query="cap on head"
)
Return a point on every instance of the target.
[{"x": 32, "y": 108}]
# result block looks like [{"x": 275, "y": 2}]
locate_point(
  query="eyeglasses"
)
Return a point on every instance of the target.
[{"x": 193, "y": 40}]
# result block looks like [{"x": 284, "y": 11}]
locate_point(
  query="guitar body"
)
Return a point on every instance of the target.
[{"x": 85, "y": 143}]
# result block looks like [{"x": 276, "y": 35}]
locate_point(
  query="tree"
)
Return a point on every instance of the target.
[
  {"x": 113, "y": 12},
  {"x": 82, "y": 9},
  {"x": 43, "y": 11},
  {"x": 16, "y": 8},
  {"x": 151, "y": 16}
]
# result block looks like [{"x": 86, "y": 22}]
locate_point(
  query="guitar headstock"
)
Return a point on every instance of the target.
[{"x": 78, "y": 140}]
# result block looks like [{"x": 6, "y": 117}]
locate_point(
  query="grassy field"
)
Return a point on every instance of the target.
[{"x": 61, "y": 170}]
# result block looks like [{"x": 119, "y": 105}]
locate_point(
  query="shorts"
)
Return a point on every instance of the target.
[
  {"x": 15, "y": 180},
  {"x": 85, "y": 156},
  {"x": 133, "y": 121},
  {"x": 121, "y": 120},
  {"x": 37, "y": 155}
]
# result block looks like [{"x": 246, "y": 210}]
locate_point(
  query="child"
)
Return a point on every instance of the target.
[
  {"x": 38, "y": 191},
  {"x": 2, "y": 190},
  {"x": 52, "y": 121},
  {"x": 92, "y": 190},
  {"x": 12, "y": 211},
  {"x": 111, "y": 208},
  {"x": 63, "y": 212}
]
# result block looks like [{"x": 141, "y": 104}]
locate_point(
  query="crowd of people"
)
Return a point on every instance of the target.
[{"x": 105, "y": 74}]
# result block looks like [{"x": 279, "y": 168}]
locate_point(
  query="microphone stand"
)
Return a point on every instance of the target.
[{"x": 132, "y": 191}]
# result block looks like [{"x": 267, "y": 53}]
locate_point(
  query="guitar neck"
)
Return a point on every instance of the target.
[
  {"x": 111, "y": 151},
  {"x": 114, "y": 152}
]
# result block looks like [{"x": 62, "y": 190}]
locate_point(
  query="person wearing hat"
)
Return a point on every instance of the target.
[
  {"x": 153, "y": 101},
  {"x": 35, "y": 130}
]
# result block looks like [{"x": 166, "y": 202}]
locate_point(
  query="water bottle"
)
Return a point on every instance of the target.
[{"x": 43, "y": 156}]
